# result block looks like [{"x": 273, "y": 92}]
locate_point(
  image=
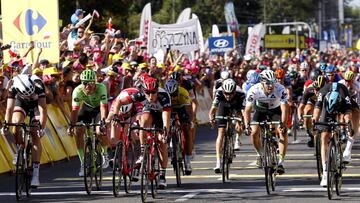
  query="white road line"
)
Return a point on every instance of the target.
[
  {"x": 252, "y": 163},
  {"x": 187, "y": 197}
]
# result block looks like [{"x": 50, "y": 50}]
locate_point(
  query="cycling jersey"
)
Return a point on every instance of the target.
[
  {"x": 163, "y": 102},
  {"x": 94, "y": 100},
  {"x": 354, "y": 92},
  {"x": 138, "y": 105},
  {"x": 257, "y": 97},
  {"x": 309, "y": 96},
  {"x": 344, "y": 106},
  {"x": 182, "y": 98}
]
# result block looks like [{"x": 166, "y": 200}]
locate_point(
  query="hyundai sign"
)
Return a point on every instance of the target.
[{"x": 219, "y": 45}]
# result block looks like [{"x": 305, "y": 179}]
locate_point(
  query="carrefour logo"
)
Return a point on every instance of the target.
[
  {"x": 221, "y": 43},
  {"x": 31, "y": 19}
]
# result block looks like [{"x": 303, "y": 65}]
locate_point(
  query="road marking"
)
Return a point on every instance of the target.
[
  {"x": 252, "y": 163},
  {"x": 187, "y": 197},
  {"x": 287, "y": 155}
]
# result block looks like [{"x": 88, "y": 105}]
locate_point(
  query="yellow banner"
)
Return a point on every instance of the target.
[
  {"x": 4, "y": 165},
  {"x": 24, "y": 21},
  {"x": 283, "y": 41},
  {"x": 52, "y": 144}
]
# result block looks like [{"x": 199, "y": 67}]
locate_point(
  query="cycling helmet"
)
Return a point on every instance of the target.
[
  {"x": 150, "y": 84},
  {"x": 280, "y": 73},
  {"x": 314, "y": 74},
  {"x": 330, "y": 69},
  {"x": 267, "y": 76},
  {"x": 294, "y": 75},
  {"x": 24, "y": 85},
  {"x": 88, "y": 76},
  {"x": 304, "y": 65},
  {"x": 262, "y": 67},
  {"x": 333, "y": 101},
  {"x": 349, "y": 75},
  {"x": 176, "y": 76},
  {"x": 254, "y": 78},
  {"x": 224, "y": 75},
  {"x": 171, "y": 86},
  {"x": 319, "y": 82},
  {"x": 322, "y": 66},
  {"x": 229, "y": 85},
  {"x": 126, "y": 108}
]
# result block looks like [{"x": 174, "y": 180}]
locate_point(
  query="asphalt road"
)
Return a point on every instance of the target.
[{"x": 60, "y": 183}]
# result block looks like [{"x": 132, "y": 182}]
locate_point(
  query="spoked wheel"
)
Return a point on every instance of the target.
[
  {"x": 339, "y": 165},
  {"x": 20, "y": 176},
  {"x": 275, "y": 161},
  {"x": 88, "y": 167},
  {"x": 155, "y": 170},
  {"x": 117, "y": 170},
  {"x": 268, "y": 169},
  {"x": 331, "y": 170},
  {"x": 130, "y": 161},
  {"x": 175, "y": 160},
  {"x": 98, "y": 164},
  {"x": 225, "y": 159},
  {"x": 294, "y": 123},
  {"x": 144, "y": 185},
  {"x": 28, "y": 169},
  {"x": 319, "y": 165},
  {"x": 230, "y": 156}
]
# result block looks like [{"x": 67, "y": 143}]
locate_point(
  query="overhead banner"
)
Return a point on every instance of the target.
[
  {"x": 254, "y": 39},
  {"x": 283, "y": 41},
  {"x": 36, "y": 20},
  {"x": 181, "y": 36},
  {"x": 219, "y": 45}
]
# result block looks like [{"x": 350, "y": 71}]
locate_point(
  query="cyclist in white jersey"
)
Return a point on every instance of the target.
[{"x": 269, "y": 100}]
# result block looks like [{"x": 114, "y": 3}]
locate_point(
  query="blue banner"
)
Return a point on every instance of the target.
[{"x": 219, "y": 45}]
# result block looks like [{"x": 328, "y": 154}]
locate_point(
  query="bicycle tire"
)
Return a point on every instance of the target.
[
  {"x": 155, "y": 167},
  {"x": 275, "y": 161},
  {"x": 294, "y": 123},
  {"x": 28, "y": 168},
  {"x": 98, "y": 164},
  {"x": 130, "y": 156},
  {"x": 267, "y": 167},
  {"x": 175, "y": 159},
  {"x": 225, "y": 158},
  {"x": 117, "y": 170},
  {"x": 230, "y": 154},
  {"x": 88, "y": 166},
  {"x": 20, "y": 174},
  {"x": 338, "y": 177},
  {"x": 331, "y": 169},
  {"x": 144, "y": 182},
  {"x": 319, "y": 165}
]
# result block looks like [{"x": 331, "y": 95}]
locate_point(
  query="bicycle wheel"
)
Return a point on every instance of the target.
[
  {"x": 319, "y": 165},
  {"x": 117, "y": 169},
  {"x": 294, "y": 123},
  {"x": 339, "y": 169},
  {"x": 274, "y": 161},
  {"x": 130, "y": 156},
  {"x": 175, "y": 159},
  {"x": 225, "y": 158},
  {"x": 331, "y": 169},
  {"x": 230, "y": 153},
  {"x": 144, "y": 170},
  {"x": 155, "y": 170},
  {"x": 28, "y": 168},
  {"x": 267, "y": 164},
  {"x": 98, "y": 164},
  {"x": 20, "y": 179},
  {"x": 88, "y": 166}
]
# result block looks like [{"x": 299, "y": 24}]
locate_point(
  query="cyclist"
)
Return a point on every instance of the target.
[
  {"x": 157, "y": 111},
  {"x": 307, "y": 105},
  {"x": 223, "y": 76},
  {"x": 89, "y": 102},
  {"x": 26, "y": 97},
  {"x": 331, "y": 76},
  {"x": 354, "y": 90},
  {"x": 269, "y": 99},
  {"x": 181, "y": 104},
  {"x": 252, "y": 78},
  {"x": 333, "y": 99},
  {"x": 226, "y": 101}
]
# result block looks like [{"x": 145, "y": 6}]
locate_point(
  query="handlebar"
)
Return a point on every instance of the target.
[
  {"x": 266, "y": 123},
  {"x": 331, "y": 124},
  {"x": 146, "y": 129},
  {"x": 85, "y": 124},
  {"x": 24, "y": 125},
  {"x": 228, "y": 118}
]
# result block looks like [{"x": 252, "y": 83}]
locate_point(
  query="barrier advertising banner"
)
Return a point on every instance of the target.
[
  {"x": 219, "y": 45},
  {"x": 36, "y": 20},
  {"x": 283, "y": 41},
  {"x": 181, "y": 36}
]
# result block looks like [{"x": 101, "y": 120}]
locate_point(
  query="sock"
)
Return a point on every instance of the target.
[
  {"x": 36, "y": 168},
  {"x": 349, "y": 144},
  {"x": 104, "y": 149},
  {"x": 142, "y": 149},
  {"x": 80, "y": 153},
  {"x": 162, "y": 173},
  {"x": 281, "y": 159},
  {"x": 187, "y": 158},
  {"x": 324, "y": 167}
]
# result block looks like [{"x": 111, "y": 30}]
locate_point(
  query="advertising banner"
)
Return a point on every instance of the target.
[{"x": 219, "y": 45}]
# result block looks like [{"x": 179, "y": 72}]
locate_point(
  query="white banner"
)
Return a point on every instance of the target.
[
  {"x": 181, "y": 36},
  {"x": 145, "y": 23},
  {"x": 254, "y": 39},
  {"x": 184, "y": 15}
]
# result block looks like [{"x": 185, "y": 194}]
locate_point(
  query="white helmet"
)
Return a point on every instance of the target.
[
  {"x": 126, "y": 108},
  {"x": 224, "y": 75},
  {"x": 24, "y": 85},
  {"x": 229, "y": 85},
  {"x": 267, "y": 76},
  {"x": 304, "y": 65}
]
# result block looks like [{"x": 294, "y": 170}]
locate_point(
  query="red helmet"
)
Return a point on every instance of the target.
[
  {"x": 142, "y": 76},
  {"x": 279, "y": 73},
  {"x": 150, "y": 84}
]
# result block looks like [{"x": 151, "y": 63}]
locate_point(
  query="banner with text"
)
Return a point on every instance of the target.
[
  {"x": 254, "y": 39},
  {"x": 36, "y": 20},
  {"x": 219, "y": 45},
  {"x": 182, "y": 36}
]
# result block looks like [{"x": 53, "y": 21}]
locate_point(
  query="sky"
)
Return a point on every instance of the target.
[{"x": 355, "y": 3}]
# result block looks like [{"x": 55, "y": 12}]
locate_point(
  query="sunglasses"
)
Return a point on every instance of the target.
[
  {"x": 228, "y": 93},
  {"x": 303, "y": 70},
  {"x": 150, "y": 92},
  {"x": 330, "y": 74},
  {"x": 88, "y": 83}
]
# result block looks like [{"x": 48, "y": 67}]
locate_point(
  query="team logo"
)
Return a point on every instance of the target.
[
  {"x": 30, "y": 22},
  {"x": 221, "y": 43}
]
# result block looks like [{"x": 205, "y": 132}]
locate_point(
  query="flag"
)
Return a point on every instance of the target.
[
  {"x": 145, "y": 24},
  {"x": 184, "y": 15},
  {"x": 231, "y": 20},
  {"x": 253, "y": 41}
]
